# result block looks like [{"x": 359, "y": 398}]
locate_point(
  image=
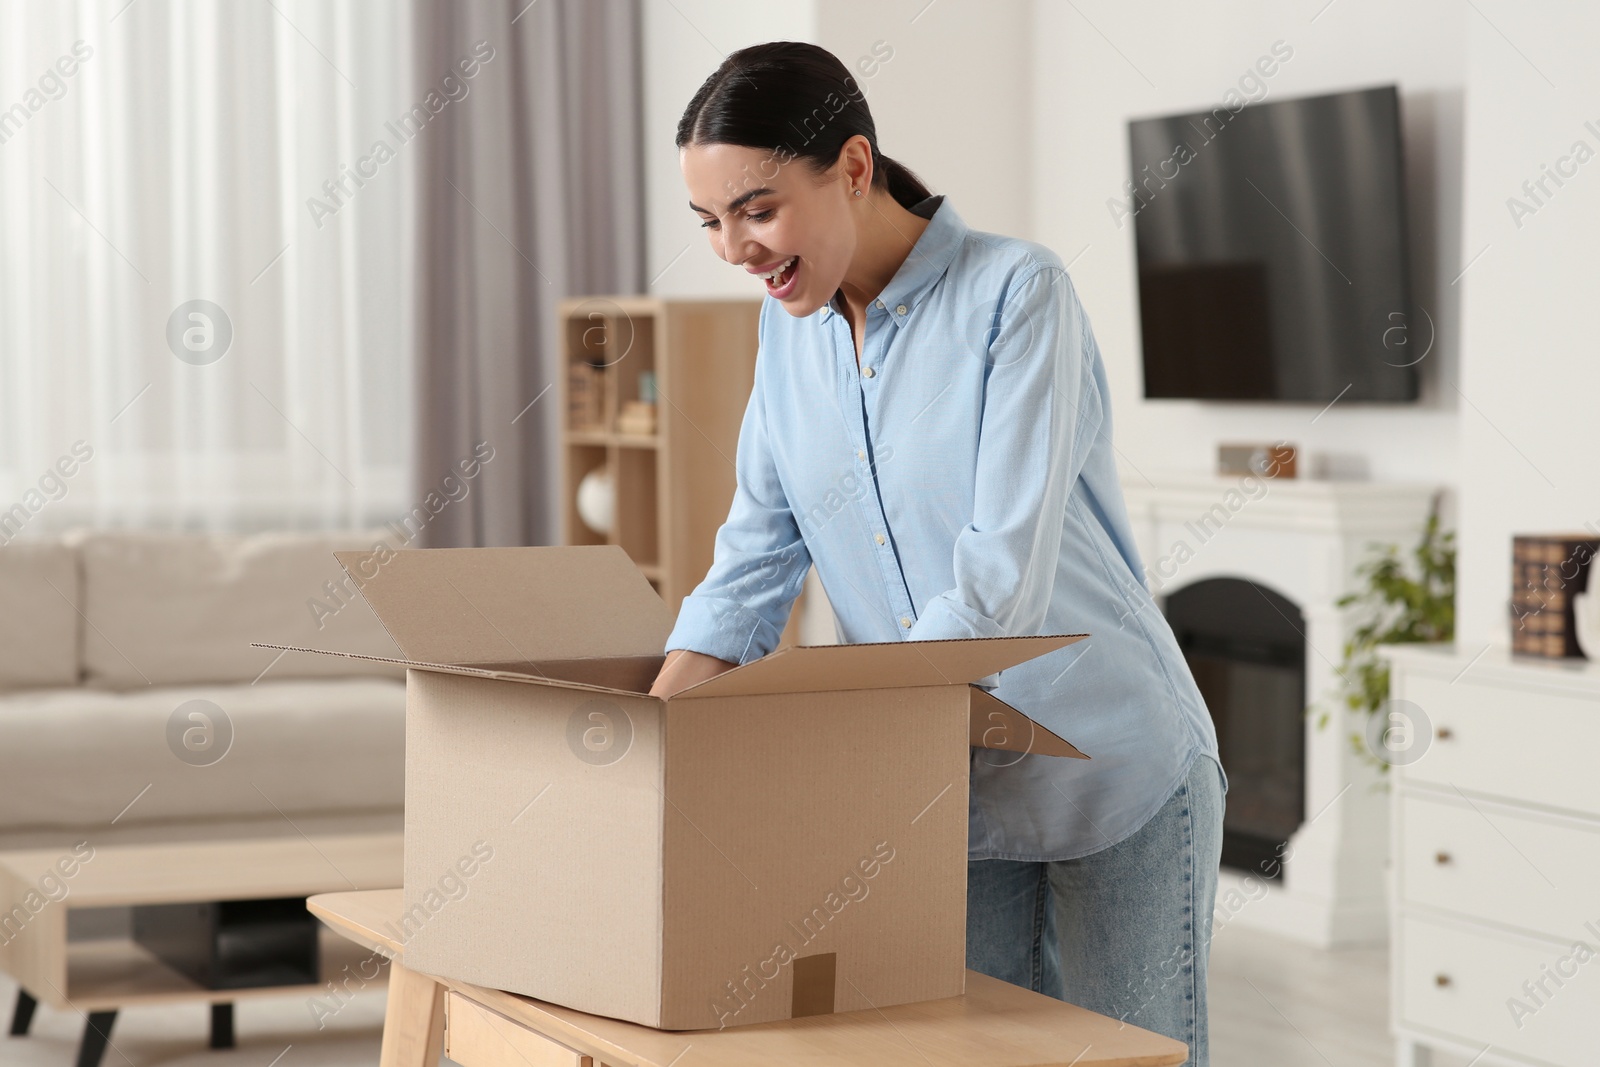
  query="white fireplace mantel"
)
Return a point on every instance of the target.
[{"x": 1303, "y": 539}]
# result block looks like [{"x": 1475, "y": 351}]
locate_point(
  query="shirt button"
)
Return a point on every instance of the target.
[
  {"x": 861, "y": 453},
  {"x": 879, "y": 303},
  {"x": 906, "y": 622},
  {"x": 878, "y": 538},
  {"x": 867, "y": 372},
  {"x": 900, "y": 309}
]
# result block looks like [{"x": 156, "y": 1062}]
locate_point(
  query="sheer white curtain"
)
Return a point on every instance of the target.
[{"x": 154, "y": 153}]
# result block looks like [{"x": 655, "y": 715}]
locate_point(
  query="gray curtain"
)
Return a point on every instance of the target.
[{"x": 531, "y": 189}]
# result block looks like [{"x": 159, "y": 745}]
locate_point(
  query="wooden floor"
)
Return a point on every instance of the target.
[{"x": 1274, "y": 1003}]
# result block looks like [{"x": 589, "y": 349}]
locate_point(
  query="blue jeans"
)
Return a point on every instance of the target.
[{"x": 1125, "y": 931}]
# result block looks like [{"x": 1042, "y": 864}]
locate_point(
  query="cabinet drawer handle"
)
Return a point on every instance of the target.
[
  {"x": 1444, "y": 733},
  {"x": 1441, "y": 858},
  {"x": 1441, "y": 980}
]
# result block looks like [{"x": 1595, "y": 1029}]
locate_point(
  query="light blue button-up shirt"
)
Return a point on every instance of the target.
[{"x": 961, "y": 483}]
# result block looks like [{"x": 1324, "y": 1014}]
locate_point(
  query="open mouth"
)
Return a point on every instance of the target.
[{"x": 781, "y": 281}]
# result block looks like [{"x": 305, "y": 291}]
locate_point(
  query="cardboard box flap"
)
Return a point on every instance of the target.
[
  {"x": 999, "y": 726},
  {"x": 877, "y": 665},
  {"x": 499, "y": 605}
]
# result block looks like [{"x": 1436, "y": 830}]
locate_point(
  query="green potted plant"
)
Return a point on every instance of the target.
[{"x": 1399, "y": 601}]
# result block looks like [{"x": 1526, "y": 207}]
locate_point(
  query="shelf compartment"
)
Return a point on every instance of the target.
[
  {"x": 636, "y": 334},
  {"x": 580, "y": 460},
  {"x": 585, "y": 378},
  {"x": 637, "y": 525}
]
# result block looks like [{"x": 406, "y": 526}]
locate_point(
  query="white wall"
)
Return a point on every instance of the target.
[
  {"x": 1530, "y": 430},
  {"x": 972, "y": 143},
  {"x": 1097, "y": 64},
  {"x": 954, "y": 103}
]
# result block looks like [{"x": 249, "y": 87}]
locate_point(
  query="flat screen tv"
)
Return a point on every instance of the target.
[{"x": 1272, "y": 252}]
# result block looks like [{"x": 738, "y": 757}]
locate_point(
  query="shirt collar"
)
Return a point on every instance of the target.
[{"x": 930, "y": 257}]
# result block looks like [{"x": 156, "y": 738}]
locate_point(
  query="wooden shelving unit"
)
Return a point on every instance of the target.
[{"x": 673, "y": 486}]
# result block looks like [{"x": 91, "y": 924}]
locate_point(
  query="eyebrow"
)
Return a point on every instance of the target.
[{"x": 737, "y": 202}]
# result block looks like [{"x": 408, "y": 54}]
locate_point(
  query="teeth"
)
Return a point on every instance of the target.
[{"x": 779, "y": 269}]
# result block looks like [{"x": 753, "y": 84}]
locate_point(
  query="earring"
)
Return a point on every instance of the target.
[{"x": 858, "y": 192}]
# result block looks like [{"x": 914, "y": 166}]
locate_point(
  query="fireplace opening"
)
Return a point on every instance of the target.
[{"x": 1246, "y": 647}]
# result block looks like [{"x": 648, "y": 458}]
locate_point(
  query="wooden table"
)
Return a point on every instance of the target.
[
  {"x": 994, "y": 1024},
  {"x": 96, "y": 978}
]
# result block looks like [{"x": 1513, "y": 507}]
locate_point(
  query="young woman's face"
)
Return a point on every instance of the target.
[{"x": 763, "y": 215}]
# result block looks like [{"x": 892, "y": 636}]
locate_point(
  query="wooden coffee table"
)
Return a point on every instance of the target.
[
  {"x": 96, "y": 978},
  {"x": 994, "y": 1024}
]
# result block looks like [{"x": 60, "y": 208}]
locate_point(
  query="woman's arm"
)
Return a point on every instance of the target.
[
  {"x": 1041, "y": 411},
  {"x": 737, "y": 612},
  {"x": 684, "y": 668}
]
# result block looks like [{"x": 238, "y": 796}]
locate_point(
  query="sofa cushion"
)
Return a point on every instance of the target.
[
  {"x": 39, "y": 602},
  {"x": 78, "y": 757},
  {"x": 182, "y": 609}
]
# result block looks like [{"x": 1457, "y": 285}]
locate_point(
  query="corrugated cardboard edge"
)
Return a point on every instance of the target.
[
  {"x": 660, "y": 975},
  {"x": 760, "y": 675},
  {"x": 999, "y": 726},
  {"x": 1035, "y": 739},
  {"x": 454, "y": 668}
]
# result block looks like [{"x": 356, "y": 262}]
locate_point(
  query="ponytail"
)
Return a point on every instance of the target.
[{"x": 898, "y": 181}]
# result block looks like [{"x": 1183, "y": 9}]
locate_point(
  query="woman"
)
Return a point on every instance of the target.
[{"x": 930, "y": 427}]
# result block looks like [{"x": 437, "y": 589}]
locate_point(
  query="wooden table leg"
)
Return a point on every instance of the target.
[
  {"x": 96, "y": 1035},
  {"x": 22, "y": 1014},
  {"x": 413, "y": 1020},
  {"x": 222, "y": 1024}
]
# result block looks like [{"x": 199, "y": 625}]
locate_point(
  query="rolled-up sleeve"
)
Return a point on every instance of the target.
[
  {"x": 738, "y": 611},
  {"x": 1040, "y": 413}
]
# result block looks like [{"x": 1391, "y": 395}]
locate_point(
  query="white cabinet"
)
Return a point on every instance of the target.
[{"x": 1495, "y": 860}]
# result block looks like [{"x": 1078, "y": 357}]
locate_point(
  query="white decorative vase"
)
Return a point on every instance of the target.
[{"x": 597, "y": 500}]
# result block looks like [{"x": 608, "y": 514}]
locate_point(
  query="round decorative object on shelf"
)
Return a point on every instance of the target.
[{"x": 597, "y": 500}]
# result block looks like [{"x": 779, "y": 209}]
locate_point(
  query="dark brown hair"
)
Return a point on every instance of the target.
[{"x": 797, "y": 101}]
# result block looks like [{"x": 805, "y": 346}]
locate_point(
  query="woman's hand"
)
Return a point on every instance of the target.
[{"x": 684, "y": 668}]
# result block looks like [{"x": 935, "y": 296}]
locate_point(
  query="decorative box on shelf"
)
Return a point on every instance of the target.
[
  {"x": 636, "y": 419},
  {"x": 1549, "y": 572},
  {"x": 1277, "y": 460},
  {"x": 585, "y": 396}
]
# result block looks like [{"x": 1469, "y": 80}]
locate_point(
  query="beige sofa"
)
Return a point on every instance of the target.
[{"x": 106, "y": 637}]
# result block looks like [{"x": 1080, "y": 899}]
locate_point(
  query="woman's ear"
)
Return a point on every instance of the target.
[{"x": 855, "y": 164}]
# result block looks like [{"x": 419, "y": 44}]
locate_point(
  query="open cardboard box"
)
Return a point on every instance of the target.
[{"x": 788, "y": 838}]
